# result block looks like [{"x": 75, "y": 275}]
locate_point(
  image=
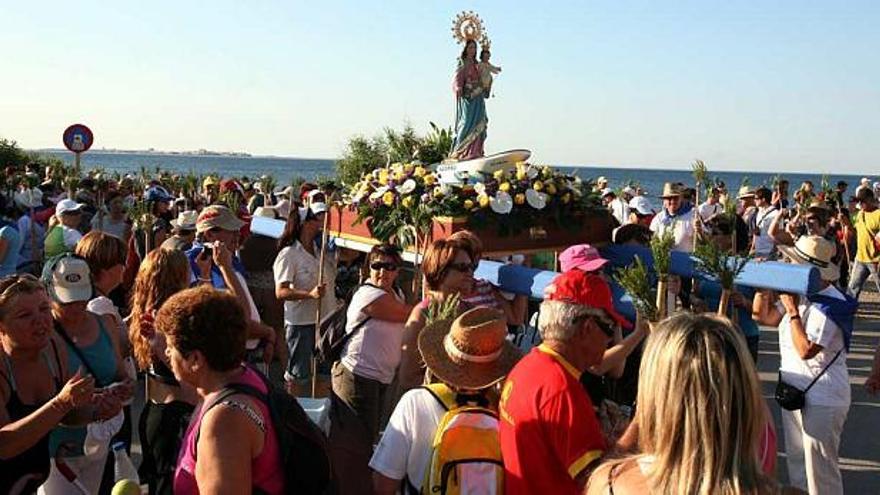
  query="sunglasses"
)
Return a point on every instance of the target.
[
  {"x": 606, "y": 328},
  {"x": 462, "y": 267},
  {"x": 388, "y": 267}
]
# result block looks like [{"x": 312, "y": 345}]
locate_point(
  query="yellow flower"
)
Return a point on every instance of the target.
[
  {"x": 388, "y": 198},
  {"x": 519, "y": 198},
  {"x": 538, "y": 185},
  {"x": 430, "y": 179},
  {"x": 408, "y": 168},
  {"x": 504, "y": 186},
  {"x": 407, "y": 202},
  {"x": 468, "y": 204},
  {"x": 438, "y": 193},
  {"x": 400, "y": 176},
  {"x": 521, "y": 174},
  {"x": 551, "y": 188},
  {"x": 566, "y": 198},
  {"x": 383, "y": 177},
  {"x": 484, "y": 200},
  {"x": 499, "y": 174},
  {"x": 419, "y": 171},
  {"x": 547, "y": 172}
]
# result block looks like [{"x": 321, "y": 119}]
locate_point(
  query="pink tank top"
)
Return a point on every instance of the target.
[{"x": 266, "y": 470}]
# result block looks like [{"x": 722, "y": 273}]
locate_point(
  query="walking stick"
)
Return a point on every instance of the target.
[{"x": 324, "y": 236}]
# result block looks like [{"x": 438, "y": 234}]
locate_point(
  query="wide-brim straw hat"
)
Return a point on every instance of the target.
[
  {"x": 817, "y": 251},
  {"x": 671, "y": 190},
  {"x": 470, "y": 352},
  {"x": 745, "y": 192}
]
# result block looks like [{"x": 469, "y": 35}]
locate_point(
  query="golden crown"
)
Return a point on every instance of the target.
[{"x": 468, "y": 26}]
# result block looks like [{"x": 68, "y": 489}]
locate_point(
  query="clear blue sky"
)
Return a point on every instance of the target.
[{"x": 769, "y": 85}]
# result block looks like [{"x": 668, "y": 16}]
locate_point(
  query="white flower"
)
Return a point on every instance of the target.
[
  {"x": 377, "y": 194},
  {"x": 502, "y": 203},
  {"x": 480, "y": 188},
  {"x": 532, "y": 172},
  {"x": 407, "y": 187},
  {"x": 535, "y": 199}
]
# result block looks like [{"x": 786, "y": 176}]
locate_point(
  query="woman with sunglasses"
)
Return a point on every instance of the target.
[
  {"x": 36, "y": 389},
  {"x": 448, "y": 269},
  {"x": 360, "y": 379}
]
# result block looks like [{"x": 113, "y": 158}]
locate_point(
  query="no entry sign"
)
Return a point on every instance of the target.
[{"x": 78, "y": 138}]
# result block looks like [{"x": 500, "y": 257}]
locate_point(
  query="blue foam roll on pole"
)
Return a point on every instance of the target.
[{"x": 783, "y": 277}]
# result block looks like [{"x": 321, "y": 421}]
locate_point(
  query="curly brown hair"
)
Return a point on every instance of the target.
[
  {"x": 207, "y": 320},
  {"x": 164, "y": 273}
]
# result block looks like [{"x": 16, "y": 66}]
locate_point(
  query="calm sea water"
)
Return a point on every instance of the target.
[{"x": 285, "y": 169}]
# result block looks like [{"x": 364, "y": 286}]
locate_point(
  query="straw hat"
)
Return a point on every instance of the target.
[
  {"x": 670, "y": 190},
  {"x": 471, "y": 352},
  {"x": 745, "y": 192},
  {"x": 186, "y": 220},
  {"x": 814, "y": 250},
  {"x": 265, "y": 211}
]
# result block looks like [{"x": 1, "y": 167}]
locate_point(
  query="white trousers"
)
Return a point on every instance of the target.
[{"x": 812, "y": 439}]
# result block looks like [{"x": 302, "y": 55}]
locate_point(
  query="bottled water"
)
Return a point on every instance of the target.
[{"x": 123, "y": 468}]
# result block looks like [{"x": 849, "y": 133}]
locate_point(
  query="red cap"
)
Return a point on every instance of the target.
[
  {"x": 230, "y": 185},
  {"x": 578, "y": 287}
]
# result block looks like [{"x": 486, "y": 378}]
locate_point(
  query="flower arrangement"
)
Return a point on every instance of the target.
[{"x": 402, "y": 199}]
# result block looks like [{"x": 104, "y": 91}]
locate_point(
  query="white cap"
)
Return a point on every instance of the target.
[
  {"x": 68, "y": 279},
  {"x": 67, "y": 205},
  {"x": 866, "y": 181},
  {"x": 641, "y": 205},
  {"x": 607, "y": 191},
  {"x": 265, "y": 211},
  {"x": 317, "y": 208},
  {"x": 630, "y": 191},
  {"x": 601, "y": 180}
]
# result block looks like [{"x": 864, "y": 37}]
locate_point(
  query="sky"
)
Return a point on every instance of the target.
[{"x": 744, "y": 85}]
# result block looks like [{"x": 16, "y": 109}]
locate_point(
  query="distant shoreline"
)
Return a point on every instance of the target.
[
  {"x": 244, "y": 155},
  {"x": 195, "y": 154}
]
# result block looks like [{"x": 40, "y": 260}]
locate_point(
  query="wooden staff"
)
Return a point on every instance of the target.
[{"x": 324, "y": 235}]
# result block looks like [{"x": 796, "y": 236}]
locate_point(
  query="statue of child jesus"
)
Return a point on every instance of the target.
[{"x": 486, "y": 71}]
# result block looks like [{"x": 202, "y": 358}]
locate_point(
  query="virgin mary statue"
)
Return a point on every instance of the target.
[{"x": 470, "y": 107}]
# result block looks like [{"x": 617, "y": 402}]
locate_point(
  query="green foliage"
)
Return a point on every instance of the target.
[
  {"x": 363, "y": 155},
  {"x": 635, "y": 281},
  {"x": 661, "y": 246},
  {"x": 442, "y": 309},
  {"x": 701, "y": 175},
  {"x": 435, "y": 147},
  {"x": 720, "y": 264}
]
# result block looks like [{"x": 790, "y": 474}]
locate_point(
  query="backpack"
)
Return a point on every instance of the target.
[
  {"x": 466, "y": 451},
  {"x": 333, "y": 335},
  {"x": 304, "y": 452}
]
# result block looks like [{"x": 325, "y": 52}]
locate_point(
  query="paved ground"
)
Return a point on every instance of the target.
[{"x": 860, "y": 446}]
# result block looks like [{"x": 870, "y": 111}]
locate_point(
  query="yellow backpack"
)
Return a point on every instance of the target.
[{"x": 466, "y": 451}]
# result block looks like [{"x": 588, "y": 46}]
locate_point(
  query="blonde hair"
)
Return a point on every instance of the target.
[
  {"x": 164, "y": 273},
  {"x": 700, "y": 410}
]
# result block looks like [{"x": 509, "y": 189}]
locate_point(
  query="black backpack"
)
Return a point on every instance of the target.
[{"x": 304, "y": 451}]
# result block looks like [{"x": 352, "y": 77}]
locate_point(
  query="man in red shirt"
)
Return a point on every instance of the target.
[{"x": 550, "y": 437}]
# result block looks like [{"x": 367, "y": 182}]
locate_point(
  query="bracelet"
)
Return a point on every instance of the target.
[{"x": 794, "y": 317}]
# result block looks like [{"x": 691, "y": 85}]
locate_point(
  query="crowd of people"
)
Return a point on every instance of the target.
[{"x": 178, "y": 304}]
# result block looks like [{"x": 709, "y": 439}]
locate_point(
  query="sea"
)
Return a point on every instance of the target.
[{"x": 286, "y": 169}]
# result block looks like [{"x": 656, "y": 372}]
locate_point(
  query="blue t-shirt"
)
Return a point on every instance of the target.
[{"x": 9, "y": 263}]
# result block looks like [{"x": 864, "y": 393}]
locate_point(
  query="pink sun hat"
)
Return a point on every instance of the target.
[{"x": 583, "y": 257}]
